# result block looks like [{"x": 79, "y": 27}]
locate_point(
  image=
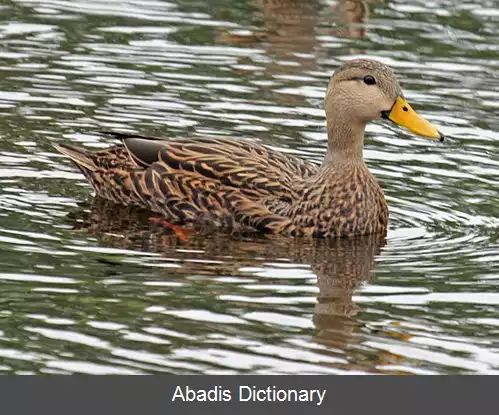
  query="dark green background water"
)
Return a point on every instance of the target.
[{"x": 90, "y": 288}]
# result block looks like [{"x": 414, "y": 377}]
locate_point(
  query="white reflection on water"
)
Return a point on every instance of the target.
[{"x": 90, "y": 292}]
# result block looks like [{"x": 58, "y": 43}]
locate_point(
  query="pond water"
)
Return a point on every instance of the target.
[{"x": 89, "y": 287}]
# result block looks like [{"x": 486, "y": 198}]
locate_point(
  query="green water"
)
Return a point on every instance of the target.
[{"x": 88, "y": 287}]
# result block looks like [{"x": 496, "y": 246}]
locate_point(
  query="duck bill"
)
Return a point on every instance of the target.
[{"x": 403, "y": 115}]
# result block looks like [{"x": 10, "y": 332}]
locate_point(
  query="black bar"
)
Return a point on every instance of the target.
[{"x": 152, "y": 395}]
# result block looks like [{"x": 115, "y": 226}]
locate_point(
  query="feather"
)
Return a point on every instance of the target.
[{"x": 223, "y": 182}]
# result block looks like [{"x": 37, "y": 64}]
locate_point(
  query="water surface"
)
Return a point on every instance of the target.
[{"x": 89, "y": 287}]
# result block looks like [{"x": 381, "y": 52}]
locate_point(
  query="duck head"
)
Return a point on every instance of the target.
[{"x": 364, "y": 90}]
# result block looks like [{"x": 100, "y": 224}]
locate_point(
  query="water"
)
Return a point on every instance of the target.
[{"x": 88, "y": 287}]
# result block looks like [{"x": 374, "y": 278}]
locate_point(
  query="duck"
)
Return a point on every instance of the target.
[{"x": 241, "y": 185}]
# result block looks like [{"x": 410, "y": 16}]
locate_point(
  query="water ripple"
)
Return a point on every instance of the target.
[{"x": 97, "y": 289}]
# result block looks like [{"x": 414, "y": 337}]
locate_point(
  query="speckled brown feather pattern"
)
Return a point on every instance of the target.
[
  {"x": 242, "y": 185},
  {"x": 340, "y": 201}
]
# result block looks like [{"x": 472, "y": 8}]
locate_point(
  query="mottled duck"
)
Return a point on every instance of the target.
[{"x": 241, "y": 185}]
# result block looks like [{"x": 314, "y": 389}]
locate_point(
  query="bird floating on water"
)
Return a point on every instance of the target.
[{"x": 245, "y": 186}]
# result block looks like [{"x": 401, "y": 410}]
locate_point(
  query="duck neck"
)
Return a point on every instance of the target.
[{"x": 345, "y": 140}]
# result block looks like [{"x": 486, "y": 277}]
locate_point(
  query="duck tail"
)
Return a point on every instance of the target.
[{"x": 81, "y": 157}]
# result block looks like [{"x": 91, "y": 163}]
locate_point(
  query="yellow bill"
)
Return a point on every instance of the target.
[{"x": 403, "y": 115}]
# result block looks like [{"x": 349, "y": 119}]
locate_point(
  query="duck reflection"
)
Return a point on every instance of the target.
[
  {"x": 341, "y": 265},
  {"x": 294, "y": 25},
  {"x": 353, "y": 17},
  {"x": 291, "y": 31}
]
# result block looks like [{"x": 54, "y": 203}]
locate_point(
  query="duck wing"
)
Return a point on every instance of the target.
[
  {"x": 235, "y": 163},
  {"x": 215, "y": 182}
]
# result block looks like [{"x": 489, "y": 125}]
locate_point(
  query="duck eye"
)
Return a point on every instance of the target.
[{"x": 369, "y": 80}]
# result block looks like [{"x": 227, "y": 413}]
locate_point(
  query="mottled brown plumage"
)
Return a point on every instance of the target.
[{"x": 236, "y": 184}]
